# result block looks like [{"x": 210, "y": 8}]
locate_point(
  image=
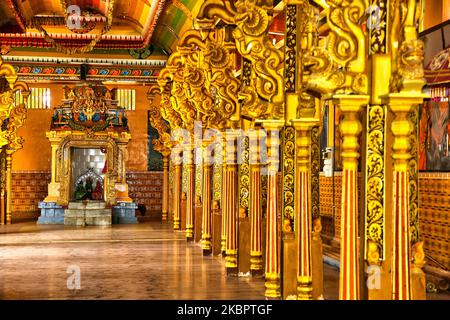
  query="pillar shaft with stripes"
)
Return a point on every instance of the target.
[
  {"x": 272, "y": 267},
  {"x": 207, "y": 195},
  {"x": 256, "y": 261},
  {"x": 303, "y": 208},
  {"x": 351, "y": 127},
  {"x": 230, "y": 190}
]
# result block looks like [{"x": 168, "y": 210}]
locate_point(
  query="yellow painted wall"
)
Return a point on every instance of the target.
[{"x": 36, "y": 155}]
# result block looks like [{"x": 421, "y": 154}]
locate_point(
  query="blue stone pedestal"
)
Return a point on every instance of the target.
[
  {"x": 124, "y": 212},
  {"x": 51, "y": 213}
]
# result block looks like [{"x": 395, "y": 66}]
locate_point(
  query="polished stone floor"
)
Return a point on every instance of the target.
[{"x": 144, "y": 261}]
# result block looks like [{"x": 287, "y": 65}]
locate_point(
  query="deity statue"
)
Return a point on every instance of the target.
[
  {"x": 80, "y": 191},
  {"x": 97, "y": 194}
]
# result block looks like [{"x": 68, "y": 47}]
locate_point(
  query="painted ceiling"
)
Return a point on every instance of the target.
[
  {"x": 129, "y": 31},
  {"x": 135, "y": 24}
]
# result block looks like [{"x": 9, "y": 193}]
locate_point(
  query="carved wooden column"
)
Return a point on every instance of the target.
[
  {"x": 3, "y": 187},
  {"x": 207, "y": 193},
  {"x": 165, "y": 201},
  {"x": 224, "y": 202},
  {"x": 190, "y": 195},
  {"x": 351, "y": 127},
  {"x": 8, "y": 185},
  {"x": 272, "y": 268},
  {"x": 53, "y": 186},
  {"x": 171, "y": 186},
  {"x": 316, "y": 242},
  {"x": 256, "y": 261},
  {"x": 176, "y": 196},
  {"x": 198, "y": 194},
  {"x": 401, "y": 104},
  {"x": 303, "y": 208},
  {"x": 230, "y": 186}
]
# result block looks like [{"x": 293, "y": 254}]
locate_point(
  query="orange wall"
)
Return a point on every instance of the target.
[
  {"x": 36, "y": 153},
  {"x": 436, "y": 12},
  {"x": 138, "y": 122}
]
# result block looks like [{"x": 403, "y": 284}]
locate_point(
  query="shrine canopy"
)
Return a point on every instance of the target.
[{"x": 438, "y": 70}]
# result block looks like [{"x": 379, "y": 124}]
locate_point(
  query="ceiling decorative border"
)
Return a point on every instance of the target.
[
  {"x": 28, "y": 71},
  {"x": 94, "y": 61}
]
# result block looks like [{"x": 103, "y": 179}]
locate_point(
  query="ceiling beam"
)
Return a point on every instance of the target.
[{"x": 17, "y": 14}]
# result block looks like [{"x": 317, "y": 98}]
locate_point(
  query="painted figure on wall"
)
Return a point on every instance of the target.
[
  {"x": 424, "y": 124},
  {"x": 434, "y": 143}
]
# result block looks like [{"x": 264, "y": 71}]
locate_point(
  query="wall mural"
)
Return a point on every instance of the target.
[
  {"x": 434, "y": 130},
  {"x": 154, "y": 157}
]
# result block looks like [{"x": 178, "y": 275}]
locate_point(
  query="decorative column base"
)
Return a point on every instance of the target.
[
  {"x": 51, "y": 213},
  {"x": 317, "y": 260},
  {"x": 53, "y": 192},
  {"x": 122, "y": 193},
  {"x": 223, "y": 244},
  {"x": 304, "y": 288},
  {"x": 124, "y": 213},
  {"x": 272, "y": 286}
]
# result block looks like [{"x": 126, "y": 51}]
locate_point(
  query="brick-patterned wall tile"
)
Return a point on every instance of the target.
[
  {"x": 146, "y": 188},
  {"x": 434, "y": 212},
  {"x": 28, "y": 188}
]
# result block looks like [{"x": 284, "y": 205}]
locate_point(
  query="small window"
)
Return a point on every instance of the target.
[
  {"x": 127, "y": 99},
  {"x": 39, "y": 98}
]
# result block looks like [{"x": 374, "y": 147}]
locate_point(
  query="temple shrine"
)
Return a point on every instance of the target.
[{"x": 225, "y": 150}]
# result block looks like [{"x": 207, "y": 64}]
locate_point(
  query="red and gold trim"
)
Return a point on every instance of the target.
[{"x": 351, "y": 127}]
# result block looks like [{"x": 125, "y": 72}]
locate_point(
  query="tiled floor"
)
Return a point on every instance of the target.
[{"x": 144, "y": 261}]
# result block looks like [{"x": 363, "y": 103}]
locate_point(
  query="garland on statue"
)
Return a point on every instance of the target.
[{"x": 87, "y": 48}]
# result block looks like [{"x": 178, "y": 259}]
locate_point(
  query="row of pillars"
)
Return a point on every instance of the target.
[{"x": 268, "y": 250}]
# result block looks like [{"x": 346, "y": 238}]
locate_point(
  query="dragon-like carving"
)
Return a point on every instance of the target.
[
  {"x": 16, "y": 120},
  {"x": 166, "y": 109},
  {"x": 251, "y": 21},
  {"x": 406, "y": 50},
  {"x": 341, "y": 67},
  {"x": 163, "y": 143},
  {"x": 180, "y": 103},
  {"x": 219, "y": 71},
  {"x": 15, "y": 114},
  {"x": 6, "y": 95}
]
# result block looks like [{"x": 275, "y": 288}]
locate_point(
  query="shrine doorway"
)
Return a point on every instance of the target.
[{"x": 88, "y": 174}]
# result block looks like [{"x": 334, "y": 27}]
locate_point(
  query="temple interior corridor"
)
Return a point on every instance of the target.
[{"x": 209, "y": 150}]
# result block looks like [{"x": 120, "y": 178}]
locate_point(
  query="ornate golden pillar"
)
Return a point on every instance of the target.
[
  {"x": 207, "y": 193},
  {"x": 351, "y": 127},
  {"x": 8, "y": 185},
  {"x": 303, "y": 208},
  {"x": 198, "y": 194},
  {"x": 3, "y": 187},
  {"x": 165, "y": 202},
  {"x": 256, "y": 261},
  {"x": 224, "y": 202},
  {"x": 401, "y": 104},
  {"x": 121, "y": 185},
  {"x": 190, "y": 196},
  {"x": 177, "y": 196},
  {"x": 316, "y": 242},
  {"x": 171, "y": 185},
  {"x": 272, "y": 268},
  {"x": 53, "y": 187},
  {"x": 231, "y": 207}
]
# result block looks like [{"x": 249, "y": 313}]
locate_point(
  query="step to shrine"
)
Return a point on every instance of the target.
[{"x": 87, "y": 213}]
